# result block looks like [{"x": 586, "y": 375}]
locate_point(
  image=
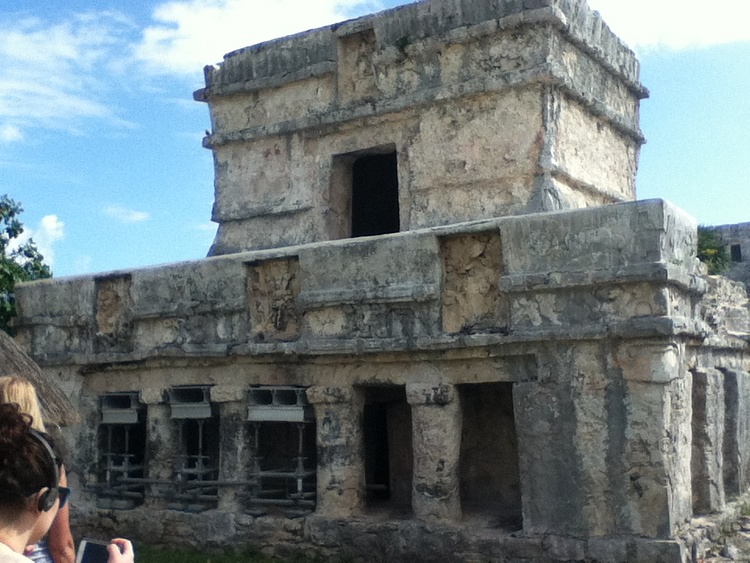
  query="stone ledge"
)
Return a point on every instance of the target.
[
  {"x": 629, "y": 328},
  {"x": 646, "y": 272}
]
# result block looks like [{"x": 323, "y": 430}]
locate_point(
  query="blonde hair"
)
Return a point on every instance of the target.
[{"x": 15, "y": 389}]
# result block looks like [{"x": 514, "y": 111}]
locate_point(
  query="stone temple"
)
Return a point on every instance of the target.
[{"x": 435, "y": 323}]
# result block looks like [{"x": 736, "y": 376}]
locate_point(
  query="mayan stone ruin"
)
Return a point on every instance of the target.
[
  {"x": 736, "y": 239},
  {"x": 435, "y": 323}
]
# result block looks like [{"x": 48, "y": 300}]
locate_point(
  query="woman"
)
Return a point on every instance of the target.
[
  {"x": 59, "y": 546},
  {"x": 30, "y": 491}
]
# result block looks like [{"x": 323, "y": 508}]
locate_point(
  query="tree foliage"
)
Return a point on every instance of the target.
[
  {"x": 19, "y": 261},
  {"x": 711, "y": 250}
]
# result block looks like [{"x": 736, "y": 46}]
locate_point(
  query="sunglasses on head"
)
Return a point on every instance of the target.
[{"x": 64, "y": 495}]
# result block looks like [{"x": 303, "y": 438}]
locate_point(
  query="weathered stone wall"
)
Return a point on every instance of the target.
[
  {"x": 736, "y": 239},
  {"x": 493, "y": 109},
  {"x": 595, "y": 334}
]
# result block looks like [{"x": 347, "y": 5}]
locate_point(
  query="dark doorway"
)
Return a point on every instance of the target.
[
  {"x": 377, "y": 470},
  {"x": 490, "y": 477},
  {"x": 736, "y": 253},
  {"x": 375, "y": 195},
  {"x": 388, "y": 452}
]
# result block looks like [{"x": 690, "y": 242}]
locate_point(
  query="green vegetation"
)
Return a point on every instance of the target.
[
  {"x": 19, "y": 262},
  {"x": 711, "y": 251}
]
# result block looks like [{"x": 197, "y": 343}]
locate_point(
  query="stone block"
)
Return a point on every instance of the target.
[
  {"x": 387, "y": 269},
  {"x": 614, "y": 238},
  {"x": 471, "y": 299},
  {"x": 564, "y": 549},
  {"x": 607, "y": 549},
  {"x": 228, "y": 393},
  {"x": 114, "y": 314},
  {"x": 189, "y": 288}
]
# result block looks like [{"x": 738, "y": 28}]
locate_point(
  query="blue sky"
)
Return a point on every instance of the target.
[{"x": 100, "y": 139}]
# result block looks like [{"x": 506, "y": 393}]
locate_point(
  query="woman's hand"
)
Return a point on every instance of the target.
[{"x": 120, "y": 551}]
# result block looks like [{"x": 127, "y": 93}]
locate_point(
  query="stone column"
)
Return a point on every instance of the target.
[
  {"x": 708, "y": 438},
  {"x": 655, "y": 439},
  {"x": 341, "y": 467},
  {"x": 436, "y": 441},
  {"x": 162, "y": 446},
  {"x": 737, "y": 431},
  {"x": 235, "y": 446}
]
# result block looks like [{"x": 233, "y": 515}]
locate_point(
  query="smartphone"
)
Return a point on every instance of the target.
[{"x": 92, "y": 551}]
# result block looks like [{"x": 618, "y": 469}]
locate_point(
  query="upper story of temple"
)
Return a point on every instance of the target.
[{"x": 430, "y": 114}]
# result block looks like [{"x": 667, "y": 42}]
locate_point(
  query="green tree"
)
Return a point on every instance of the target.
[
  {"x": 19, "y": 261},
  {"x": 711, "y": 250}
]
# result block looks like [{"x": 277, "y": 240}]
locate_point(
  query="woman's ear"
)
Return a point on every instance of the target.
[
  {"x": 45, "y": 499},
  {"x": 33, "y": 502}
]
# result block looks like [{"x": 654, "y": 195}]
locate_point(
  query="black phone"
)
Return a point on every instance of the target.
[{"x": 92, "y": 551}]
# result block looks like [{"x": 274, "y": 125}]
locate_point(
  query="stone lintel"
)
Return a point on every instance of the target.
[
  {"x": 441, "y": 394},
  {"x": 228, "y": 393},
  {"x": 318, "y": 395}
]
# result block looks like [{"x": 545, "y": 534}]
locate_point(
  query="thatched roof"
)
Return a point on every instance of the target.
[{"x": 56, "y": 407}]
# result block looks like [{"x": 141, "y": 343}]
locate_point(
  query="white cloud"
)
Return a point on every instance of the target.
[
  {"x": 56, "y": 74},
  {"x": 125, "y": 215},
  {"x": 675, "y": 24},
  {"x": 188, "y": 35},
  {"x": 10, "y": 134},
  {"x": 49, "y": 231}
]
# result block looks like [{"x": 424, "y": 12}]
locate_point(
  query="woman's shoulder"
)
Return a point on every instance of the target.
[{"x": 7, "y": 555}]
